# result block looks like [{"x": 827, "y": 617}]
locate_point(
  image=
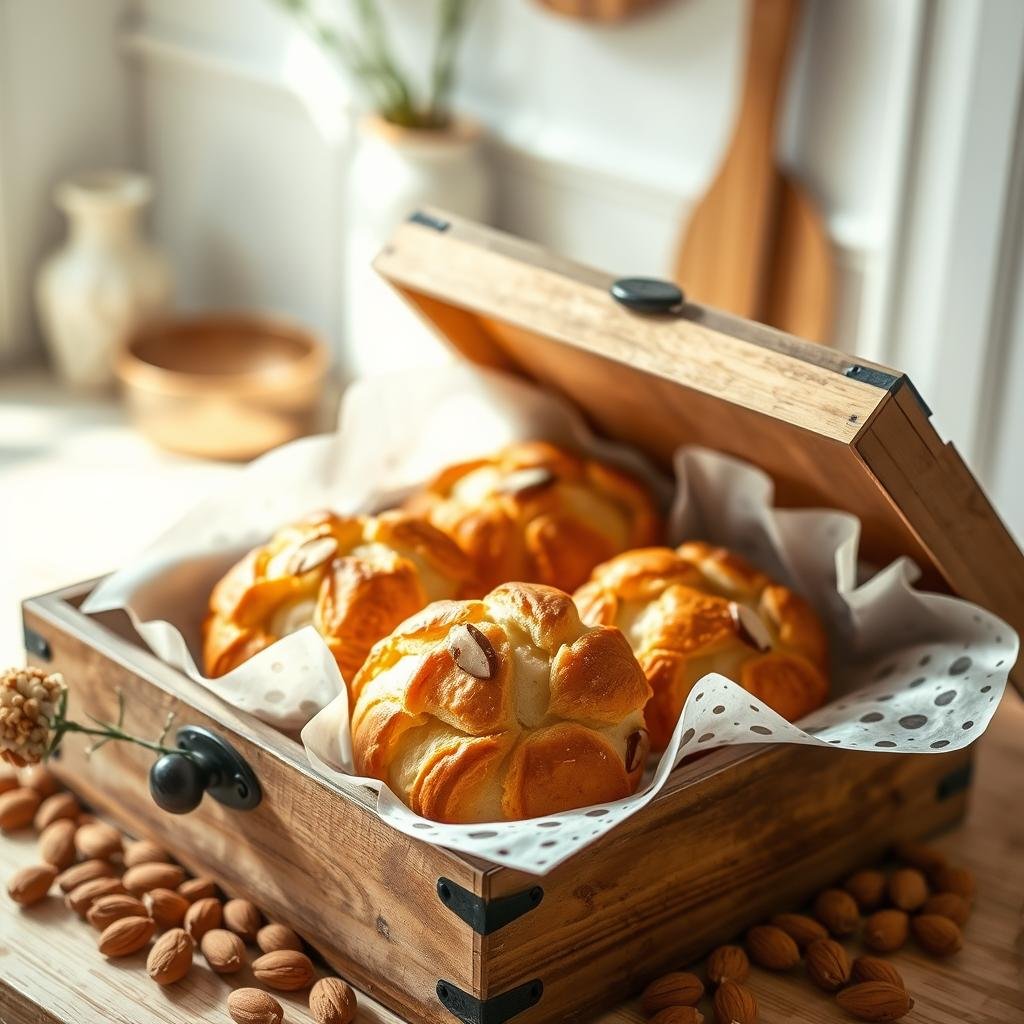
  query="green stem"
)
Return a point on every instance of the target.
[{"x": 112, "y": 732}]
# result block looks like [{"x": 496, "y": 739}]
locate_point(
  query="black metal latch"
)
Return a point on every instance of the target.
[
  {"x": 495, "y": 1010},
  {"x": 648, "y": 295},
  {"x": 486, "y": 916}
]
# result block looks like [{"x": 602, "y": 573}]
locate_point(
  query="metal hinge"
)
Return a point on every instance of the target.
[
  {"x": 419, "y": 217},
  {"x": 486, "y": 916},
  {"x": 891, "y": 382},
  {"x": 495, "y": 1010},
  {"x": 37, "y": 645}
]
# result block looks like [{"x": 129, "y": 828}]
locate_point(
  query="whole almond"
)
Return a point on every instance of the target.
[
  {"x": 285, "y": 970},
  {"x": 166, "y": 907},
  {"x": 837, "y": 910},
  {"x": 937, "y": 934},
  {"x": 126, "y": 936},
  {"x": 769, "y": 946},
  {"x": 254, "y": 1006},
  {"x": 867, "y": 888},
  {"x": 83, "y": 896},
  {"x": 908, "y": 889},
  {"x": 41, "y": 779},
  {"x": 73, "y": 877},
  {"x": 202, "y": 916},
  {"x": 676, "y": 989},
  {"x": 197, "y": 889},
  {"x": 886, "y": 930},
  {"x": 31, "y": 884},
  {"x": 143, "y": 877},
  {"x": 734, "y": 1004},
  {"x": 243, "y": 918},
  {"x": 828, "y": 964},
  {"x": 142, "y": 851},
  {"x": 332, "y": 1001},
  {"x": 947, "y": 879},
  {"x": 920, "y": 856},
  {"x": 8, "y": 779},
  {"x": 272, "y": 937},
  {"x": 98, "y": 839},
  {"x": 728, "y": 963},
  {"x": 224, "y": 951},
  {"x": 57, "y": 844},
  {"x": 948, "y": 904},
  {"x": 53, "y": 808},
  {"x": 803, "y": 930},
  {"x": 108, "y": 909},
  {"x": 678, "y": 1015},
  {"x": 170, "y": 959},
  {"x": 17, "y": 808},
  {"x": 873, "y": 968},
  {"x": 875, "y": 1001}
]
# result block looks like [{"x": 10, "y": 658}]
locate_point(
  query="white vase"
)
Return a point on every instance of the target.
[
  {"x": 105, "y": 279},
  {"x": 394, "y": 172}
]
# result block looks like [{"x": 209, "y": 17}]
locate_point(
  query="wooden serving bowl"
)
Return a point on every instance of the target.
[{"x": 223, "y": 385}]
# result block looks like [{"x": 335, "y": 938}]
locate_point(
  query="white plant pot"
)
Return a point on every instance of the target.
[
  {"x": 105, "y": 279},
  {"x": 394, "y": 172}
]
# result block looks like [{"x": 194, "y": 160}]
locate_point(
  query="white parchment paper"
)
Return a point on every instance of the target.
[{"x": 911, "y": 671}]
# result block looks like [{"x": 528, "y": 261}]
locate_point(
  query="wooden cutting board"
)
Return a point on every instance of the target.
[{"x": 756, "y": 244}]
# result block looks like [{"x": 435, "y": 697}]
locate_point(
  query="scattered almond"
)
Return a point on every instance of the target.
[
  {"x": 41, "y": 779},
  {"x": 126, "y": 936},
  {"x": 948, "y": 904},
  {"x": 828, "y": 964},
  {"x": 53, "y": 808},
  {"x": 272, "y": 937},
  {"x": 98, "y": 839},
  {"x": 224, "y": 951},
  {"x": 769, "y": 946},
  {"x": 285, "y": 970},
  {"x": 142, "y": 851},
  {"x": 908, "y": 889},
  {"x": 947, "y": 879},
  {"x": 8, "y": 779},
  {"x": 676, "y": 989},
  {"x": 867, "y": 888},
  {"x": 937, "y": 934},
  {"x": 332, "y": 1001},
  {"x": 108, "y": 909},
  {"x": 734, "y": 1004},
  {"x": 83, "y": 896},
  {"x": 254, "y": 1006},
  {"x": 143, "y": 877},
  {"x": 31, "y": 884},
  {"x": 803, "y": 930},
  {"x": 678, "y": 1015},
  {"x": 73, "y": 877},
  {"x": 166, "y": 907},
  {"x": 170, "y": 959},
  {"x": 202, "y": 916},
  {"x": 920, "y": 856},
  {"x": 57, "y": 844},
  {"x": 837, "y": 910},
  {"x": 885, "y": 930},
  {"x": 197, "y": 889},
  {"x": 17, "y": 808},
  {"x": 728, "y": 963},
  {"x": 875, "y": 1001},
  {"x": 243, "y": 918},
  {"x": 873, "y": 968}
]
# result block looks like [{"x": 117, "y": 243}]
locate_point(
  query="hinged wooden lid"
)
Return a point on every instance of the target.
[{"x": 830, "y": 431}]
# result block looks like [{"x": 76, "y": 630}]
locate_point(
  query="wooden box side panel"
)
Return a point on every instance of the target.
[
  {"x": 695, "y": 870},
  {"x": 362, "y": 894}
]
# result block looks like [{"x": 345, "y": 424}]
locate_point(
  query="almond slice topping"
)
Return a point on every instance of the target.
[
  {"x": 472, "y": 651},
  {"x": 311, "y": 555},
  {"x": 751, "y": 630},
  {"x": 526, "y": 481}
]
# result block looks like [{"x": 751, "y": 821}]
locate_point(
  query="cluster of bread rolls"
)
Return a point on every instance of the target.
[{"x": 480, "y": 689}]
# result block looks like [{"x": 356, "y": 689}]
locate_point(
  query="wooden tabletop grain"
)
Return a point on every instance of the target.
[{"x": 51, "y": 972}]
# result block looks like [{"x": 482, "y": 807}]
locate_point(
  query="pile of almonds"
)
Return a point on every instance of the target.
[
  {"x": 922, "y": 895},
  {"x": 130, "y": 891}
]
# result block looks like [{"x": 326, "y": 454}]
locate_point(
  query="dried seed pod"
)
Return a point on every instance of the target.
[
  {"x": 886, "y": 930},
  {"x": 772, "y": 948},
  {"x": 734, "y": 1004},
  {"x": 948, "y": 904},
  {"x": 803, "y": 930},
  {"x": 828, "y": 964},
  {"x": 875, "y": 1001},
  {"x": 908, "y": 889},
  {"x": 837, "y": 910},
  {"x": 679, "y": 988},
  {"x": 873, "y": 968},
  {"x": 937, "y": 934},
  {"x": 867, "y": 888},
  {"x": 728, "y": 963}
]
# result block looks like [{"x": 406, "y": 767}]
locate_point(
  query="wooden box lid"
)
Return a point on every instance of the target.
[{"x": 830, "y": 430}]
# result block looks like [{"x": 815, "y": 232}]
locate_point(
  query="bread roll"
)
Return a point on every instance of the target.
[
  {"x": 703, "y": 609},
  {"x": 536, "y": 513},
  {"x": 501, "y": 709},
  {"x": 352, "y": 577}
]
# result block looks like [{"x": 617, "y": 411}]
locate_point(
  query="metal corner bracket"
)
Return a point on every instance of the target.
[
  {"x": 487, "y": 916},
  {"x": 495, "y": 1010}
]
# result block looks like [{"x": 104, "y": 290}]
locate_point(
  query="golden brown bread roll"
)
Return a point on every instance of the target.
[
  {"x": 703, "y": 609},
  {"x": 537, "y": 513},
  {"x": 501, "y": 709},
  {"x": 352, "y": 577}
]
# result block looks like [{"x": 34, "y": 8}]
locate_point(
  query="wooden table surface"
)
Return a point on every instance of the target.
[{"x": 50, "y": 970}]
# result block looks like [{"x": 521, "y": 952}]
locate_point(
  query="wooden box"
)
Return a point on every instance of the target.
[{"x": 734, "y": 836}]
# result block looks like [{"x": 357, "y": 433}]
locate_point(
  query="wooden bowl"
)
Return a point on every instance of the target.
[{"x": 224, "y": 385}]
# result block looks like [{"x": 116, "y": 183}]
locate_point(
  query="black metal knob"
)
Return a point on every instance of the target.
[
  {"x": 648, "y": 295},
  {"x": 207, "y": 764}
]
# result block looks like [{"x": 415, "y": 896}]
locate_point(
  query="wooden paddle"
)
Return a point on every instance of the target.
[{"x": 756, "y": 244}]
